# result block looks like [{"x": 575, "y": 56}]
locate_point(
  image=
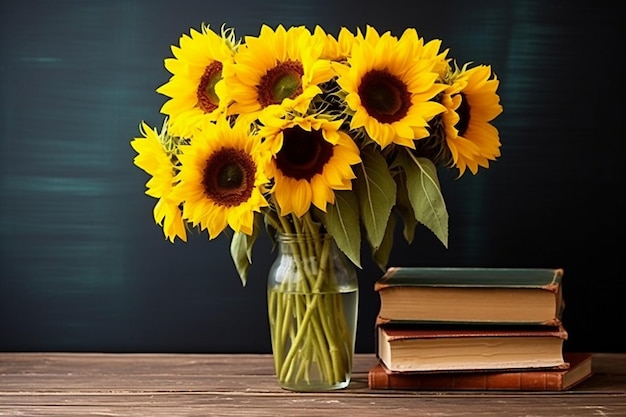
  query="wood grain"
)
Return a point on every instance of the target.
[{"x": 155, "y": 385}]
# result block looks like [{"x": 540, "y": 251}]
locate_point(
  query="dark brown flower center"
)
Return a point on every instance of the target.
[
  {"x": 384, "y": 96},
  {"x": 280, "y": 82},
  {"x": 464, "y": 112},
  {"x": 303, "y": 154},
  {"x": 207, "y": 98},
  {"x": 229, "y": 177}
]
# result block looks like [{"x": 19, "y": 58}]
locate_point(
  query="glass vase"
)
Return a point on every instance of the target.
[{"x": 312, "y": 306}]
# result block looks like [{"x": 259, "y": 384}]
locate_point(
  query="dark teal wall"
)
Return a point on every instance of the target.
[{"x": 84, "y": 268}]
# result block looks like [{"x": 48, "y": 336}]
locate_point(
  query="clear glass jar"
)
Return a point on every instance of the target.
[{"x": 312, "y": 307}]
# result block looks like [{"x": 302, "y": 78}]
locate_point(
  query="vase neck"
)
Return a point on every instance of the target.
[{"x": 302, "y": 237}]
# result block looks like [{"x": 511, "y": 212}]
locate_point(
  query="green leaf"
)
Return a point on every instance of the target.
[
  {"x": 376, "y": 191},
  {"x": 381, "y": 255},
  {"x": 241, "y": 251},
  {"x": 425, "y": 195},
  {"x": 405, "y": 209},
  {"x": 342, "y": 222}
]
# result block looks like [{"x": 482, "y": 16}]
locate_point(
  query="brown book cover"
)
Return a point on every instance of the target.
[
  {"x": 580, "y": 368},
  {"x": 412, "y": 347}
]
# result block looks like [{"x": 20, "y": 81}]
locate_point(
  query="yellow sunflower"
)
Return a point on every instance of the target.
[
  {"x": 472, "y": 103},
  {"x": 276, "y": 71},
  {"x": 311, "y": 158},
  {"x": 222, "y": 178},
  {"x": 390, "y": 85},
  {"x": 196, "y": 90},
  {"x": 154, "y": 158}
]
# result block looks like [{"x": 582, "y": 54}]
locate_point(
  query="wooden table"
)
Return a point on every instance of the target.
[{"x": 171, "y": 385}]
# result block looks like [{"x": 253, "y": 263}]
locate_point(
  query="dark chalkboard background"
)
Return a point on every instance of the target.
[{"x": 84, "y": 268}]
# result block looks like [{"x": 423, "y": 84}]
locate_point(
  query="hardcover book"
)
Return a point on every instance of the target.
[
  {"x": 454, "y": 348},
  {"x": 471, "y": 295},
  {"x": 580, "y": 369}
]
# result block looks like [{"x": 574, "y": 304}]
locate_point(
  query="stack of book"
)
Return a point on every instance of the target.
[{"x": 473, "y": 329}]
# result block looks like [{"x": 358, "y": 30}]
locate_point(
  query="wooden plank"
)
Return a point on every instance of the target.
[
  {"x": 308, "y": 405},
  {"x": 170, "y": 372}
]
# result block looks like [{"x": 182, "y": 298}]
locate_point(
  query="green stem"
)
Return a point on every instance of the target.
[
  {"x": 304, "y": 256},
  {"x": 315, "y": 337}
]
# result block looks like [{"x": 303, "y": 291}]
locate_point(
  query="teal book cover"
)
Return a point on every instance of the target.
[{"x": 548, "y": 278}]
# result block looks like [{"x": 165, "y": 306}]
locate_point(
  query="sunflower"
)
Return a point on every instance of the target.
[
  {"x": 222, "y": 176},
  {"x": 277, "y": 71},
  {"x": 155, "y": 158},
  {"x": 196, "y": 90},
  {"x": 472, "y": 103},
  {"x": 390, "y": 85},
  {"x": 311, "y": 159}
]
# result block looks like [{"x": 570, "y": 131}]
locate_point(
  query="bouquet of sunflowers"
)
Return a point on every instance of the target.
[{"x": 296, "y": 131}]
